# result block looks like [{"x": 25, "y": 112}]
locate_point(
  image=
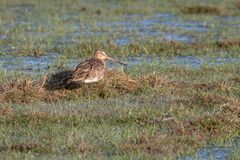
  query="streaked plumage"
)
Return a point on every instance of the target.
[{"x": 92, "y": 69}]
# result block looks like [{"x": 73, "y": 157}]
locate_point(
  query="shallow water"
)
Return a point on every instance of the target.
[
  {"x": 165, "y": 19},
  {"x": 153, "y": 26},
  {"x": 194, "y": 62},
  {"x": 148, "y": 27},
  {"x": 215, "y": 152},
  {"x": 29, "y": 64},
  {"x": 174, "y": 21},
  {"x": 39, "y": 65},
  {"x": 164, "y": 26}
]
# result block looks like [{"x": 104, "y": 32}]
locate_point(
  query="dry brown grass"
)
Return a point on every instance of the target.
[
  {"x": 202, "y": 9},
  {"x": 226, "y": 44},
  {"x": 38, "y": 148},
  {"x": 152, "y": 144},
  {"x": 237, "y": 79},
  {"x": 27, "y": 91},
  {"x": 33, "y": 147},
  {"x": 211, "y": 99},
  {"x": 115, "y": 83},
  {"x": 84, "y": 147},
  {"x": 238, "y": 4},
  {"x": 6, "y": 111}
]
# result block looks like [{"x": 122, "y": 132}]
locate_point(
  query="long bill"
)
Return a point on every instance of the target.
[{"x": 114, "y": 60}]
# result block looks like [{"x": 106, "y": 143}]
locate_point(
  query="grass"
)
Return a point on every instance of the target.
[
  {"x": 139, "y": 112},
  {"x": 147, "y": 116},
  {"x": 115, "y": 130},
  {"x": 30, "y": 28}
]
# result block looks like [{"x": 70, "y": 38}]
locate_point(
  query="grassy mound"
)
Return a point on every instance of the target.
[{"x": 114, "y": 83}]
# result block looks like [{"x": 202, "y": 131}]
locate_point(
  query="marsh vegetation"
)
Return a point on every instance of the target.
[{"x": 178, "y": 98}]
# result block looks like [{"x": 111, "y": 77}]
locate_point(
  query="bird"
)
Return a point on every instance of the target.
[{"x": 92, "y": 69}]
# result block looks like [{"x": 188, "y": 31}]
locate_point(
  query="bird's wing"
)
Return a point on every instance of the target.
[{"x": 82, "y": 71}]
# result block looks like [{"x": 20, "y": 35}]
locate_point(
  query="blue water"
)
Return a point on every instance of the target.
[
  {"x": 41, "y": 64},
  {"x": 215, "y": 152},
  {"x": 149, "y": 27},
  {"x": 194, "y": 62},
  {"x": 29, "y": 64}
]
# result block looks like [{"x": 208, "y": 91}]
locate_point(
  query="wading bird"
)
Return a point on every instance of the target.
[{"x": 92, "y": 69}]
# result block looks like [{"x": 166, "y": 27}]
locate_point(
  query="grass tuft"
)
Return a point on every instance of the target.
[
  {"x": 29, "y": 147},
  {"x": 227, "y": 44},
  {"x": 202, "y": 9},
  {"x": 238, "y": 4}
]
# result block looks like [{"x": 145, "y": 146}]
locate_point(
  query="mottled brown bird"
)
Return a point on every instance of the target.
[{"x": 92, "y": 69}]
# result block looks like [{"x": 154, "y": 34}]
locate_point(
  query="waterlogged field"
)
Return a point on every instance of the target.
[{"x": 178, "y": 98}]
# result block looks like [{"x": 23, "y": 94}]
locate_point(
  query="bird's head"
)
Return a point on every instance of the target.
[{"x": 100, "y": 54}]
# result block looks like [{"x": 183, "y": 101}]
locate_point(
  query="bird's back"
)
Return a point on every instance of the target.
[{"x": 90, "y": 70}]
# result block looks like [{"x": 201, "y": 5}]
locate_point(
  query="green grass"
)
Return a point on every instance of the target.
[
  {"x": 169, "y": 115},
  {"x": 48, "y": 27},
  {"x": 145, "y": 111}
]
